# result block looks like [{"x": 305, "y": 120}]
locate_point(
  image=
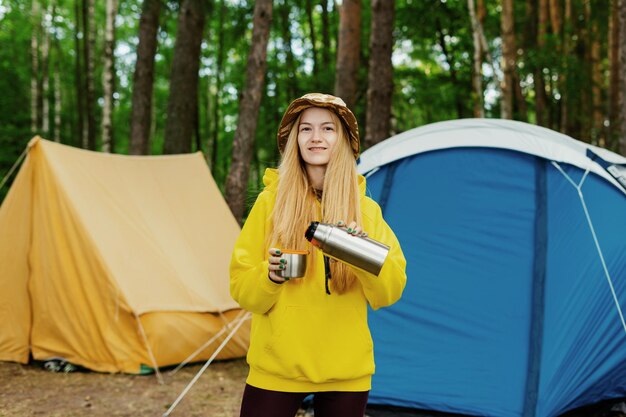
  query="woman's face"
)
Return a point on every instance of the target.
[{"x": 317, "y": 135}]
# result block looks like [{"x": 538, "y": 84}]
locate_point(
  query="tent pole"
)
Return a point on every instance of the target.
[{"x": 206, "y": 365}]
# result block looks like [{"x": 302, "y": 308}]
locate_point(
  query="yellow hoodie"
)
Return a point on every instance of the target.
[{"x": 304, "y": 340}]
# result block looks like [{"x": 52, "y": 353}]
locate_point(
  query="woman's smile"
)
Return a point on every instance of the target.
[{"x": 317, "y": 134}]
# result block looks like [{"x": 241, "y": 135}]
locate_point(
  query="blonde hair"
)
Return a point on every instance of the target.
[{"x": 295, "y": 204}]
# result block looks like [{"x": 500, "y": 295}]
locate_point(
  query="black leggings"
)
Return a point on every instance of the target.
[{"x": 258, "y": 402}]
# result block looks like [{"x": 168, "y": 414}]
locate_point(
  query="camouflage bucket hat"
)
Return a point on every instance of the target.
[{"x": 332, "y": 103}]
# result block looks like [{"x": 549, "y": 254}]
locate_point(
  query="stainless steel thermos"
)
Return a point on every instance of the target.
[{"x": 335, "y": 241}]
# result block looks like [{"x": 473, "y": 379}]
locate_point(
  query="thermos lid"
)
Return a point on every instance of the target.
[{"x": 310, "y": 231}]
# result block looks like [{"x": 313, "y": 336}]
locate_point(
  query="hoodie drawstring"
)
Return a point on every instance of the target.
[{"x": 327, "y": 273}]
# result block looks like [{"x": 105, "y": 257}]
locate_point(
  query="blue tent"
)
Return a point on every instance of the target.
[{"x": 515, "y": 238}]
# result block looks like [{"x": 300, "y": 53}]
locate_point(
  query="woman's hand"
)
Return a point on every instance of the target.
[
  {"x": 276, "y": 263},
  {"x": 352, "y": 228}
]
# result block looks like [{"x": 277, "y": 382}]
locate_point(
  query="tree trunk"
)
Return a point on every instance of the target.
[
  {"x": 454, "y": 78},
  {"x": 380, "y": 77},
  {"x": 585, "y": 56},
  {"x": 183, "y": 101},
  {"x": 477, "y": 73},
  {"x": 45, "y": 75},
  {"x": 507, "y": 27},
  {"x": 520, "y": 100},
  {"x": 89, "y": 43},
  {"x": 79, "y": 86},
  {"x": 565, "y": 101},
  {"x": 555, "y": 16},
  {"x": 348, "y": 52},
  {"x": 243, "y": 142},
  {"x": 622, "y": 83},
  {"x": 143, "y": 79},
  {"x": 327, "y": 77},
  {"x": 218, "y": 88},
  {"x": 313, "y": 39},
  {"x": 541, "y": 109},
  {"x": 597, "y": 127},
  {"x": 614, "y": 77},
  {"x": 481, "y": 11},
  {"x": 34, "y": 75},
  {"x": 57, "y": 97},
  {"x": 325, "y": 34},
  {"x": 108, "y": 82},
  {"x": 290, "y": 66}
]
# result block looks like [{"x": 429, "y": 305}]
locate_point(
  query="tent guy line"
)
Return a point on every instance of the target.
[
  {"x": 595, "y": 238},
  {"x": 15, "y": 165},
  {"x": 206, "y": 365},
  {"x": 210, "y": 341}
]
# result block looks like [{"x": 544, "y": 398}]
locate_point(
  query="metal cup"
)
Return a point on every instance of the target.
[{"x": 296, "y": 263}]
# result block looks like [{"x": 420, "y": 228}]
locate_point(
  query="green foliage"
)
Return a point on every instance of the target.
[
  {"x": 432, "y": 69},
  {"x": 14, "y": 85}
]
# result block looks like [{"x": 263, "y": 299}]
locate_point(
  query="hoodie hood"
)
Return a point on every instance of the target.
[{"x": 270, "y": 180}]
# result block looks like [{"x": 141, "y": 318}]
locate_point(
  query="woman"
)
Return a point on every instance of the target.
[{"x": 310, "y": 335}]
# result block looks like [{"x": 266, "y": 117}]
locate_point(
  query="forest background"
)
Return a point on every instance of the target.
[{"x": 167, "y": 76}]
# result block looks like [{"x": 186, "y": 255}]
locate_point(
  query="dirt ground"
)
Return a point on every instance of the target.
[{"x": 30, "y": 390}]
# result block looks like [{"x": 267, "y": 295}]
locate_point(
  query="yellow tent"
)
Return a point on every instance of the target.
[{"x": 115, "y": 262}]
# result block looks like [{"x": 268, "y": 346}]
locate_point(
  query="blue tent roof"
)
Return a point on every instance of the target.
[{"x": 516, "y": 262}]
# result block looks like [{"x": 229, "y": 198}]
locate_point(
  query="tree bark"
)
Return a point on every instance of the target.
[
  {"x": 89, "y": 43},
  {"x": 218, "y": 88},
  {"x": 380, "y": 77},
  {"x": 622, "y": 62},
  {"x": 79, "y": 86},
  {"x": 565, "y": 100},
  {"x": 183, "y": 101},
  {"x": 477, "y": 73},
  {"x": 597, "y": 127},
  {"x": 45, "y": 75},
  {"x": 540, "y": 88},
  {"x": 290, "y": 66},
  {"x": 454, "y": 78},
  {"x": 507, "y": 27},
  {"x": 555, "y": 16},
  {"x": 614, "y": 76},
  {"x": 108, "y": 81},
  {"x": 348, "y": 52},
  {"x": 143, "y": 79},
  {"x": 243, "y": 142},
  {"x": 325, "y": 34},
  {"x": 57, "y": 98},
  {"x": 34, "y": 75},
  {"x": 313, "y": 39}
]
